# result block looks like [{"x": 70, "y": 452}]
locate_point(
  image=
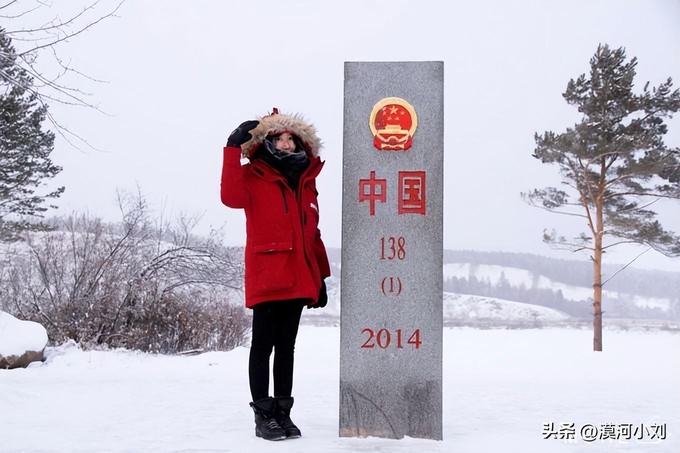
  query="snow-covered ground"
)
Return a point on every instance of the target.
[
  {"x": 518, "y": 277},
  {"x": 500, "y": 387},
  {"x": 471, "y": 308}
]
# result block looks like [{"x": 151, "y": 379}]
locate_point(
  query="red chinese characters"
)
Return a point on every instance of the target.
[
  {"x": 373, "y": 194},
  {"x": 412, "y": 195}
]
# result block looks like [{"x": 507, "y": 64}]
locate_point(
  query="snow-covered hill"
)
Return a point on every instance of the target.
[
  {"x": 518, "y": 277},
  {"x": 477, "y": 308},
  {"x": 461, "y": 307}
]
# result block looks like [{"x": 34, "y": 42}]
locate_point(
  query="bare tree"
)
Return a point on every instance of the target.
[
  {"x": 142, "y": 283},
  {"x": 37, "y": 29}
]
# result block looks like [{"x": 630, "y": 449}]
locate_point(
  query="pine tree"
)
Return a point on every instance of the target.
[
  {"x": 25, "y": 148},
  {"x": 615, "y": 163}
]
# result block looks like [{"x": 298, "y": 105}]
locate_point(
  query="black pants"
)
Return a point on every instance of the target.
[{"x": 275, "y": 326}]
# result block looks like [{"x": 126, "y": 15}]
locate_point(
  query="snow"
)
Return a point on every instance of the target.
[
  {"x": 17, "y": 336},
  {"x": 466, "y": 307},
  {"x": 652, "y": 302},
  {"x": 500, "y": 387}
]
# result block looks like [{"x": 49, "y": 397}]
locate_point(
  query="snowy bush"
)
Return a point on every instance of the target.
[{"x": 142, "y": 283}]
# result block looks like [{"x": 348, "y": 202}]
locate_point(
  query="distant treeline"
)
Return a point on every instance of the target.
[
  {"x": 578, "y": 273},
  {"x": 546, "y": 297},
  {"x": 632, "y": 281},
  {"x": 572, "y": 272}
]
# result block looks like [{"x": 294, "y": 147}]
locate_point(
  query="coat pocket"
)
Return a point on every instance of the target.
[{"x": 273, "y": 267}]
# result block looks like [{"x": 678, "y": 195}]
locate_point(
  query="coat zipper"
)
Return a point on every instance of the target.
[
  {"x": 299, "y": 199},
  {"x": 304, "y": 219},
  {"x": 283, "y": 195}
]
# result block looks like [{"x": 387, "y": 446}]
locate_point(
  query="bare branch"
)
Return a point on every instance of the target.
[
  {"x": 49, "y": 35},
  {"x": 562, "y": 245},
  {"x": 659, "y": 195},
  {"x": 619, "y": 179},
  {"x": 61, "y": 129},
  {"x": 61, "y": 89},
  {"x": 626, "y": 266},
  {"x": 618, "y": 243},
  {"x": 532, "y": 203},
  {"x": 609, "y": 165},
  {"x": 69, "y": 69},
  {"x": 76, "y": 33},
  {"x": 637, "y": 208},
  {"x": 192, "y": 282},
  {"x": 16, "y": 16},
  {"x": 57, "y": 26},
  {"x": 8, "y": 4}
]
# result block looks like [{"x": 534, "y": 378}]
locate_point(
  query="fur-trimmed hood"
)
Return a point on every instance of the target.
[{"x": 278, "y": 123}]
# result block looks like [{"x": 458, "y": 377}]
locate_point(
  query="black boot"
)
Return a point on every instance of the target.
[
  {"x": 266, "y": 426},
  {"x": 283, "y": 407}
]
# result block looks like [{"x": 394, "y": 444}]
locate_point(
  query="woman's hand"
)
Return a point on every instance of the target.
[
  {"x": 323, "y": 297},
  {"x": 241, "y": 134}
]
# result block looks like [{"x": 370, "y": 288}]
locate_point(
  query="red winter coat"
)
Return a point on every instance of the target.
[{"x": 285, "y": 257}]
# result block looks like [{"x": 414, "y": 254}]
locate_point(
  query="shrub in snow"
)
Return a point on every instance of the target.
[
  {"x": 21, "y": 342},
  {"x": 138, "y": 284}
]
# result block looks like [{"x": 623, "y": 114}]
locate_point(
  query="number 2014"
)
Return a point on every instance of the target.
[{"x": 383, "y": 338}]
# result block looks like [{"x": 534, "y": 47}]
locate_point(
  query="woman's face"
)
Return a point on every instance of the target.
[{"x": 285, "y": 143}]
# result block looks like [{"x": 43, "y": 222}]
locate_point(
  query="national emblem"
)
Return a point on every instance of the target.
[{"x": 393, "y": 122}]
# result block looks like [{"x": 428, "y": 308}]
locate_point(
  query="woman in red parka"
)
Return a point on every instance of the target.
[{"x": 285, "y": 259}]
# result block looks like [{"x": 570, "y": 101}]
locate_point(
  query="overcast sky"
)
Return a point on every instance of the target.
[{"x": 181, "y": 75}]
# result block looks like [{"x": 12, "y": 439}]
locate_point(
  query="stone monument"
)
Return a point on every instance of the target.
[{"x": 391, "y": 298}]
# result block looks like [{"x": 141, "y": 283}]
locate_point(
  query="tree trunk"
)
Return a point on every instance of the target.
[
  {"x": 597, "y": 295},
  {"x": 597, "y": 261}
]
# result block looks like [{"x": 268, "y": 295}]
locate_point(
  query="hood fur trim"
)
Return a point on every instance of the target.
[{"x": 279, "y": 123}]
